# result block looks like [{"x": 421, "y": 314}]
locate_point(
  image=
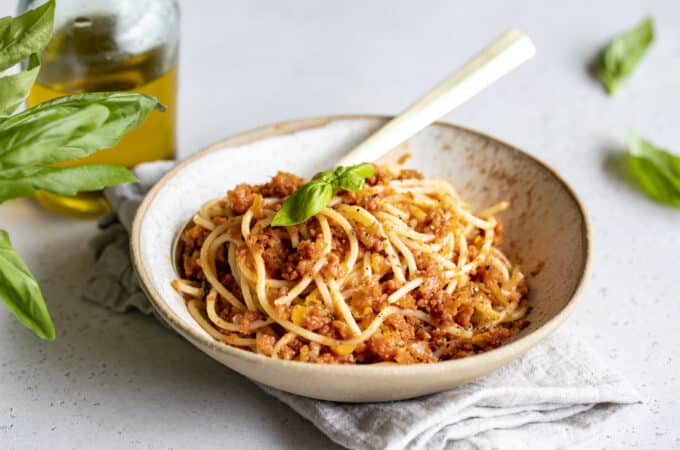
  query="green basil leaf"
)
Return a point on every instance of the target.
[
  {"x": 305, "y": 202},
  {"x": 46, "y": 140},
  {"x": 312, "y": 197},
  {"x": 654, "y": 182},
  {"x": 15, "y": 88},
  {"x": 326, "y": 176},
  {"x": 24, "y": 182},
  {"x": 669, "y": 162},
  {"x": 657, "y": 171},
  {"x": 340, "y": 171},
  {"x": 71, "y": 127},
  {"x": 364, "y": 170},
  {"x": 622, "y": 54},
  {"x": 24, "y": 35},
  {"x": 16, "y": 173},
  {"x": 80, "y": 178},
  {"x": 352, "y": 178},
  {"x": 10, "y": 189},
  {"x": 21, "y": 293}
]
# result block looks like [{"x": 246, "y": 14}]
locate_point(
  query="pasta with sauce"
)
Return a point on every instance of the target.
[{"x": 399, "y": 272}]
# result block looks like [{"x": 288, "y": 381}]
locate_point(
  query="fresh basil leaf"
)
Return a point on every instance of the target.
[
  {"x": 21, "y": 293},
  {"x": 10, "y": 189},
  {"x": 22, "y": 36},
  {"x": 80, "y": 178},
  {"x": 326, "y": 176},
  {"x": 15, "y": 88},
  {"x": 352, "y": 178},
  {"x": 65, "y": 180},
  {"x": 654, "y": 182},
  {"x": 16, "y": 173},
  {"x": 116, "y": 101},
  {"x": 74, "y": 179},
  {"x": 71, "y": 127},
  {"x": 302, "y": 204},
  {"x": 364, "y": 170},
  {"x": 657, "y": 171},
  {"x": 41, "y": 141},
  {"x": 340, "y": 171},
  {"x": 661, "y": 158},
  {"x": 622, "y": 54},
  {"x": 312, "y": 197}
]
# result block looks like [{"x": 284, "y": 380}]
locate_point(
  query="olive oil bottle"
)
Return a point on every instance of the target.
[{"x": 118, "y": 46}]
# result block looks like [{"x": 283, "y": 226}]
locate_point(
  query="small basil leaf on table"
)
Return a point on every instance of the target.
[
  {"x": 72, "y": 127},
  {"x": 21, "y": 293},
  {"x": 302, "y": 204},
  {"x": 622, "y": 54},
  {"x": 657, "y": 171},
  {"x": 24, "y": 35},
  {"x": 15, "y": 88}
]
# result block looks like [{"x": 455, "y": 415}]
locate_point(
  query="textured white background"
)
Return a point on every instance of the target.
[{"x": 122, "y": 381}]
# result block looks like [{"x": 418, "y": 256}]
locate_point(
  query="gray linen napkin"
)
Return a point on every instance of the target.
[{"x": 557, "y": 394}]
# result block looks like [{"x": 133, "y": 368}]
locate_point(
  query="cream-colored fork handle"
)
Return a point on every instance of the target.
[{"x": 502, "y": 56}]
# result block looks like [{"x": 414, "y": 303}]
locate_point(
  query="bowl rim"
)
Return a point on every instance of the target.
[{"x": 505, "y": 352}]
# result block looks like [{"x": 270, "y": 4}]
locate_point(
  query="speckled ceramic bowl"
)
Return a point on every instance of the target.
[{"x": 546, "y": 231}]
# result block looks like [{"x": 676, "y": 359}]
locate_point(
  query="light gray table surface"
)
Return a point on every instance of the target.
[{"x": 114, "y": 381}]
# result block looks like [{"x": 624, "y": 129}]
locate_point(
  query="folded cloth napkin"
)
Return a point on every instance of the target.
[{"x": 557, "y": 394}]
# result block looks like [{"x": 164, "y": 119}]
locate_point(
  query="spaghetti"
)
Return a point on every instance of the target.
[{"x": 399, "y": 272}]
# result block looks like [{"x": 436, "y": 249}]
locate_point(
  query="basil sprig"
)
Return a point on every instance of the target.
[
  {"x": 622, "y": 54},
  {"x": 656, "y": 171},
  {"x": 312, "y": 197},
  {"x": 65, "y": 129}
]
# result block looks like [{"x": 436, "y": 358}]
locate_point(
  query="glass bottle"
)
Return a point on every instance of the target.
[{"x": 112, "y": 45}]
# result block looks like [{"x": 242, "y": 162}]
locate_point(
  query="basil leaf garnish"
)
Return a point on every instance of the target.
[
  {"x": 312, "y": 197},
  {"x": 302, "y": 204},
  {"x": 352, "y": 179}
]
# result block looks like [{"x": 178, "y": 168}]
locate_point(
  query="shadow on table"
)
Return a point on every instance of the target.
[
  {"x": 616, "y": 165},
  {"x": 105, "y": 363}
]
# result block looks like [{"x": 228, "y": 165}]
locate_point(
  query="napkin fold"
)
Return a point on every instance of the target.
[{"x": 557, "y": 394}]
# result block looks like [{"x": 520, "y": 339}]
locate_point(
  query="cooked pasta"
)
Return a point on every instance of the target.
[{"x": 401, "y": 271}]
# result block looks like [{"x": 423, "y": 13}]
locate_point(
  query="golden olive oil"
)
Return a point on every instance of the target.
[{"x": 85, "y": 56}]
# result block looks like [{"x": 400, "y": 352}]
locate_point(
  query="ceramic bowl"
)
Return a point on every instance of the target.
[{"x": 546, "y": 232}]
